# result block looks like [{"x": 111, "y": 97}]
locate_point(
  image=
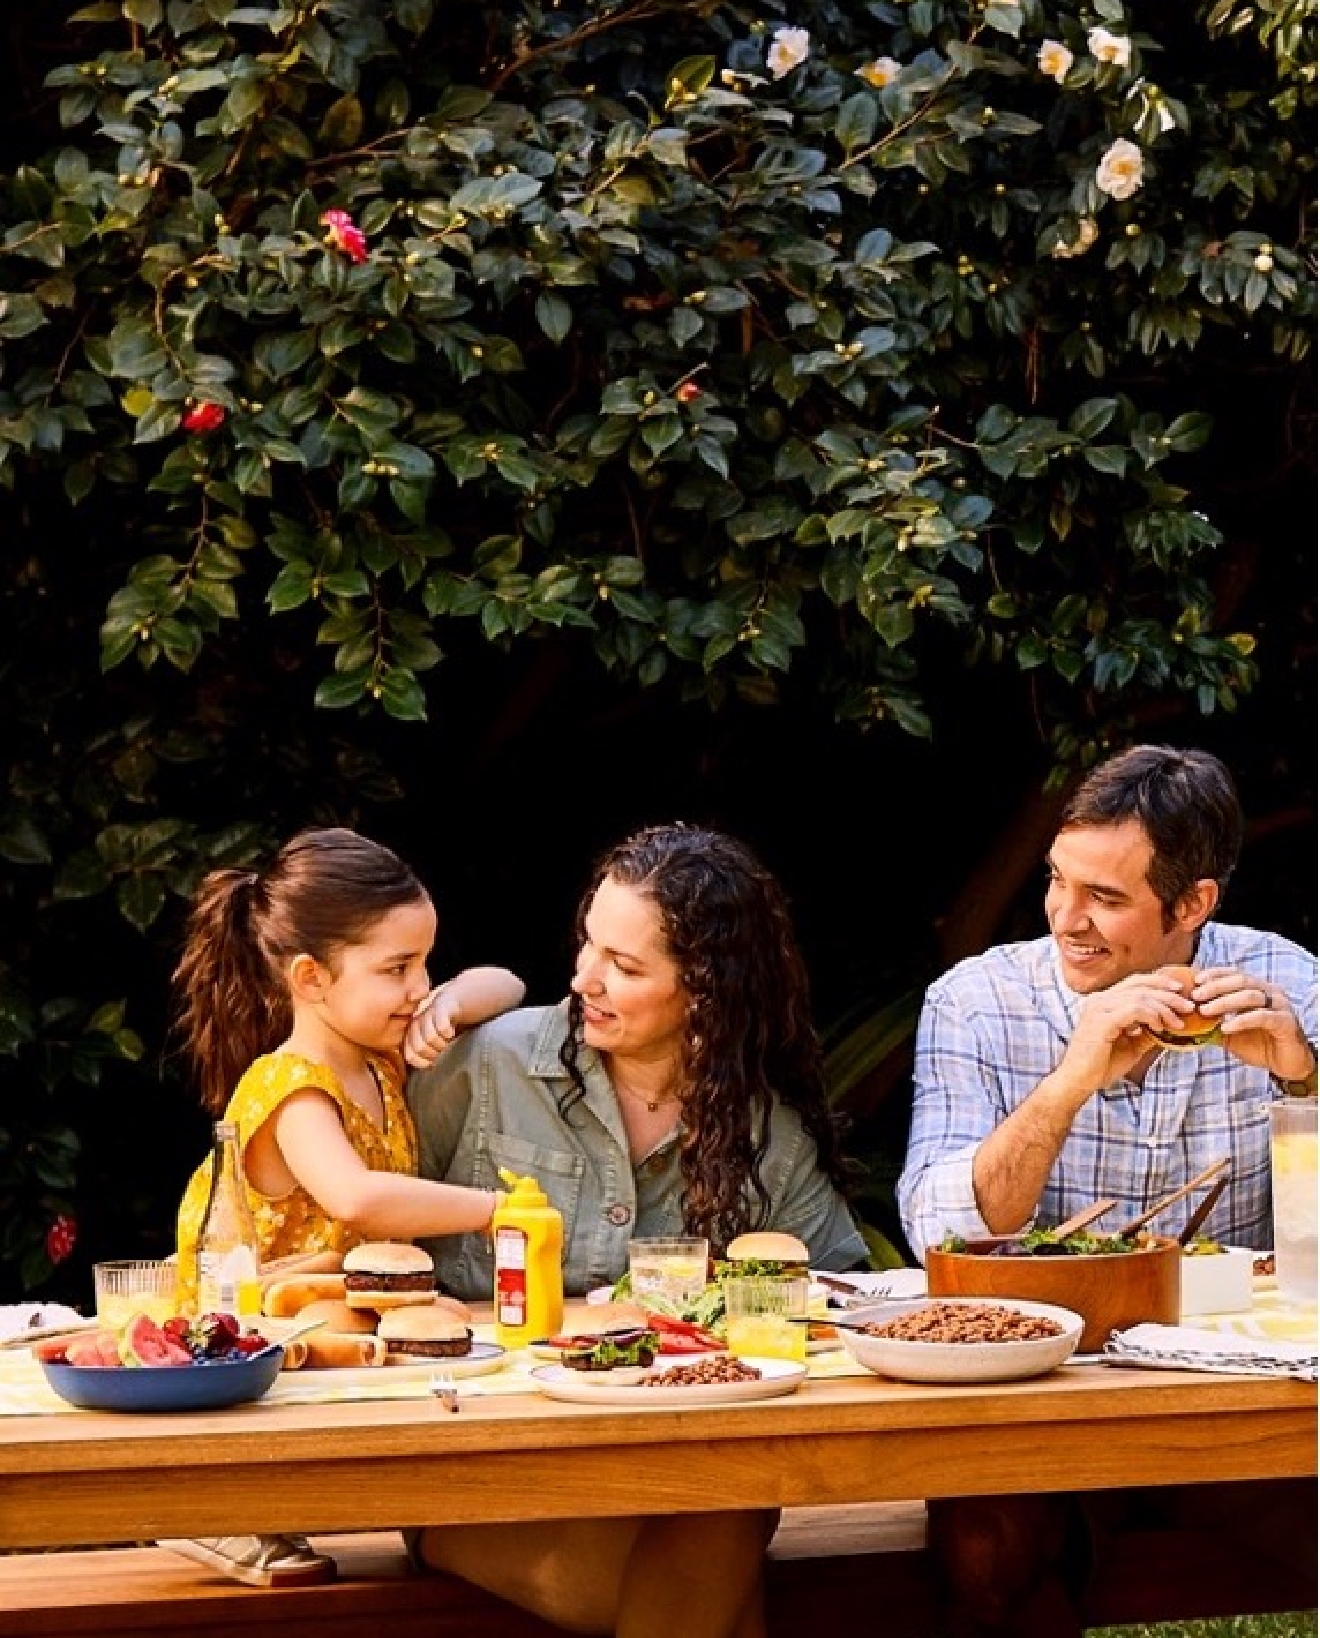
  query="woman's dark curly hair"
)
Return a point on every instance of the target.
[{"x": 749, "y": 1038}]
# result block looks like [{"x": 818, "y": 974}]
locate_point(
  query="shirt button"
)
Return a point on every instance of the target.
[{"x": 619, "y": 1215}]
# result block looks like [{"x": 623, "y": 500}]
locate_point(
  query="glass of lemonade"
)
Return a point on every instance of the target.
[
  {"x": 1294, "y": 1157},
  {"x": 766, "y": 1318},
  {"x": 135, "y": 1286},
  {"x": 673, "y": 1268}
]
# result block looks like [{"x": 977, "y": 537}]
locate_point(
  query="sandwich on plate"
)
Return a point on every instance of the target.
[{"x": 383, "y": 1274}]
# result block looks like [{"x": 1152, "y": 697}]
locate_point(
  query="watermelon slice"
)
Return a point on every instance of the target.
[{"x": 143, "y": 1342}]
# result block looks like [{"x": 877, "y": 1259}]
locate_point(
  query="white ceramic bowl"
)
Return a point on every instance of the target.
[
  {"x": 961, "y": 1361},
  {"x": 1217, "y": 1282}
]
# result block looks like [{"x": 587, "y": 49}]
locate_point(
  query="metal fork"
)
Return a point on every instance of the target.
[{"x": 445, "y": 1389}]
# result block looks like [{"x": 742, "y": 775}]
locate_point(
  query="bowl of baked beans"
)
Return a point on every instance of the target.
[{"x": 961, "y": 1339}]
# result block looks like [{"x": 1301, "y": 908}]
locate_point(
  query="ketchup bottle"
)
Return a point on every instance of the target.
[{"x": 529, "y": 1278}]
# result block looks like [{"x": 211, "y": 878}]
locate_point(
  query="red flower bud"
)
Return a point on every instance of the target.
[
  {"x": 203, "y": 418},
  {"x": 61, "y": 1237},
  {"x": 687, "y": 392},
  {"x": 344, "y": 234}
]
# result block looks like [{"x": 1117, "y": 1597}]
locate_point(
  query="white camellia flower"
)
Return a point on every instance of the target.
[
  {"x": 1120, "y": 169},
  {"x": 788, "y": 48},
  {"x": 1088, "y": 231},
  {"x": 1109, "y": 48},
  {"x": 1054, "y": 59},
  {"x": 880, "y": 73}
]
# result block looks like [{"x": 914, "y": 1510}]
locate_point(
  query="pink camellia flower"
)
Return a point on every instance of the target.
[
  {"x": 61, "y": 1237},
  {"x": 687, "y": 392},
  {"x": 203, "y": 418},
  {"x": 344, "y": 234}
]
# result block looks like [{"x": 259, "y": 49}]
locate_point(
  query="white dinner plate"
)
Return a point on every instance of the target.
[
  {"x": 908, "y": 1361},
  {"x": 778, "y": 1376}
]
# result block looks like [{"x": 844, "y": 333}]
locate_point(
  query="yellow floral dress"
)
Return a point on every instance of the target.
[{"x": 294, "y": 1222}]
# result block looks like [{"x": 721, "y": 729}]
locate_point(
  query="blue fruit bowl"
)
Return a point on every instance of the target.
[{"x": 209, "y": 1386}]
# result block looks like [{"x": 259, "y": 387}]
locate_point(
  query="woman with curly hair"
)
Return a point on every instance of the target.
[{"x": 677, "y": 1089}]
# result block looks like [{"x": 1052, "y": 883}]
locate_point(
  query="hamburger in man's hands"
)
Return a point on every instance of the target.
[
  {"x": 1194, "y": 1029},
  {"x": 384, "y": 1274},
  {"x": 766, "y": 1254}
]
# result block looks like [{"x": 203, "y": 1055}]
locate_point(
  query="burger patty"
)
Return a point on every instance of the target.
[
  {"x": 431, "y": 1348},
  {"x": 389, "y": 1282}
]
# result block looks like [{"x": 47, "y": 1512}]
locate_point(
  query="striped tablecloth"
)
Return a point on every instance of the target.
[{"x": 24, "y": 1391}]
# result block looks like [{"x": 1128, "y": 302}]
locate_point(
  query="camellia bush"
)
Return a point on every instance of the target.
[{"x": 734, "y": 343}]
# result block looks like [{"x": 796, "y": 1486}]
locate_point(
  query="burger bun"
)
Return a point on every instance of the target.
[
  {"x": 419, "y": 1333},
  {"x": 594, "y": 1319},
  {"x": 330, "y": 1315},
  {"x": 767, "y": 1246},
  {"x": 1194, "y": 1029},
  {"x": 385, "y": 1274}
]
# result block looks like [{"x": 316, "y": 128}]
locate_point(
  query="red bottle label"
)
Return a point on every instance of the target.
[{"x": 510, "y": 1277}]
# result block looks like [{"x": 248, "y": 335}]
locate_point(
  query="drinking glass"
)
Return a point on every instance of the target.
[
  {"x": 142, "y": 1285},
  {"x": 672, "y": 1268},
  {"x": 1293, "y": 1165},
  {"x": 766, "y": 1318}
]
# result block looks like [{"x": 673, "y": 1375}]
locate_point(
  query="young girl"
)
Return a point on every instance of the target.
[{"x": 296, "y": 989}]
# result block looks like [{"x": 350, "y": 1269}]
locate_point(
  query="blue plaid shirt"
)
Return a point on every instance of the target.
[{"x": 994, "y": 1026}]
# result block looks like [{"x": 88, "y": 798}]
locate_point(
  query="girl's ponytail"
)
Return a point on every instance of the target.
[{"x": 229, "y": 1008}]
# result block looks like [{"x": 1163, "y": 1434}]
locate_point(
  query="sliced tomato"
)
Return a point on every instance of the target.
[{"x": 682, "y": 1336}]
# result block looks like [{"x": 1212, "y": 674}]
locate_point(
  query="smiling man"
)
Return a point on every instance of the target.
[
  {"x": 1040, "y": 1084},
  {"x": 1041, "y": 1087}
]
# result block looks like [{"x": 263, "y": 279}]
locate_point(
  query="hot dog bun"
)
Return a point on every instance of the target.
[
  {"x": 284, "y": 1298},
  {"x": 334, "y": 1350},
  {"x": 300, "y": 1262}
]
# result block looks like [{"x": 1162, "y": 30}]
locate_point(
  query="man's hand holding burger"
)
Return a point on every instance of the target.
[
  {"x": 1116, "y": 1029},
  {"x": 1251, "y": 1018}
]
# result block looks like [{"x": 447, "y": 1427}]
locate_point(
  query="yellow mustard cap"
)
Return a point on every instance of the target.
[{"x": 523, "y": 1191}]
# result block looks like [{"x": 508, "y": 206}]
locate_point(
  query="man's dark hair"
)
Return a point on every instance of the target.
[{"x": 1186, "y": 802}]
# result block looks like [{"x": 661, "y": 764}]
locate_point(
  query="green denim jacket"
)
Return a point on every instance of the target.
[{"x": 492, "y": 1101}]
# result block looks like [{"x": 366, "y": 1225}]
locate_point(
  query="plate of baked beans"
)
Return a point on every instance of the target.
[
  {"x": 962, "y": 1339},
  {"x": 683, "y": 1379}
]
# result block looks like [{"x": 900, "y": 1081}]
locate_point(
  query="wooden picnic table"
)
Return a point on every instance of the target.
[{"x": 92, "y": 1477}]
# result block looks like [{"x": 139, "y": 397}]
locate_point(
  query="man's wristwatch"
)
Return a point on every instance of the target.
[{"x": 1305, "y": 1088}]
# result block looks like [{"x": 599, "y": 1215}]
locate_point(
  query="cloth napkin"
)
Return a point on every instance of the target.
[{"x": 1185, "y": 1348}]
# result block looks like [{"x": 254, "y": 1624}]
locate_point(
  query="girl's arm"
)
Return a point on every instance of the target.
[
  {"x": 468, "y": 998},
  {"x": 381, "y": 1205}
]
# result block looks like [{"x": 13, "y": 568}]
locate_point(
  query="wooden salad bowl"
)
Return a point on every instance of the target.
[{"x": 1110, "y": 1290}]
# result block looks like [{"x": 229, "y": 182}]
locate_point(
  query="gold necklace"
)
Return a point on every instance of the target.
[{"x": 653, "y": 1105}]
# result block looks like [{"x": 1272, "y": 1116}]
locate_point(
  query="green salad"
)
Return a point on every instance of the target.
[{"x": 707, "y": 1310}]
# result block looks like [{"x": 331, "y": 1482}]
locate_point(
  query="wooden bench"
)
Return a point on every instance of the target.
[
  {"x": 118, "y": 1591},
  {"x": 879, "y": 1577}
]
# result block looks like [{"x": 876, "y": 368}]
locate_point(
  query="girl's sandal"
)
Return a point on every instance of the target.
[{"x": 260, "y": 1561}]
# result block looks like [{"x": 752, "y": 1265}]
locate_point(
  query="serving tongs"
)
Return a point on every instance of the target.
[
  {"x": 1080, "y": 1219},
  {"x": 1216, "y": 1171}
]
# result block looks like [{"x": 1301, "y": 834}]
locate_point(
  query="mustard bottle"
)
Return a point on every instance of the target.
[{"x": 528, "y": 1234}]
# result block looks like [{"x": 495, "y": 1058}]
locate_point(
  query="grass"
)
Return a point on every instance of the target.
[{"x": 1301, "y": 1625}]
